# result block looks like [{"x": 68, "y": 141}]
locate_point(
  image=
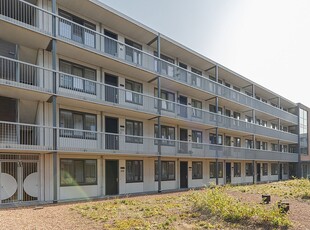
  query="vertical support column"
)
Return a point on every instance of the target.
[
  {"x": 253, "y": 91},
  {"x": 217, "y": 73},
  {"x": 217, "y": 163},
  {"x": 55, "y": 172},
  {"x": 254, "y": 116},
  {"x": 254, "y": 173},
  {"x": 159, "y": 115}
]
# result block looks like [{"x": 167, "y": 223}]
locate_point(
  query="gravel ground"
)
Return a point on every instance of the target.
[{"x": 60, "y": 216}]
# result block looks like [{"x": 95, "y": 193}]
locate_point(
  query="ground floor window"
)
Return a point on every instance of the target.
[
  {"x": 134, "y": 171},
  {"x": 237, "y": 169},
  {"x": 274, "y": 169},
  {"x": 265, "y": 169},
  {"x": 167, "y": 170},
  {"x": 197, "y": 170},
  {"x": 213, "y": 170},
  {"x": 78, "y": 172},
  {"x": 249, "y": 169}
]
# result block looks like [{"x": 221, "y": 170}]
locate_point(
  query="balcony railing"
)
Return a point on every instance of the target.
[
  {"x": 35, "y": 137},
  {"x": 28, "y": 15},
  {"x": 24, "y": 75},
  {"x": 25, "y": 136}
]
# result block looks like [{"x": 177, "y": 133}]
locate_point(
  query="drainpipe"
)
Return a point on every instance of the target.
[
  {"x": 55, "y": 173},
  {"x": 159, "y": 115}
]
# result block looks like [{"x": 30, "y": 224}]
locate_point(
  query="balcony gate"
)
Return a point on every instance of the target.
[{"x": 19, "y": 178}]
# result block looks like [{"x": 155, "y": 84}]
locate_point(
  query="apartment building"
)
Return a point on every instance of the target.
[{"x": 93, "y": 103}]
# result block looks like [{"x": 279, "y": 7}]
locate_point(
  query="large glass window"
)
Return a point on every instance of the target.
[
  {"x": 196, "y": 79},
  {"x": 133, "y": 53},
  {"x": 265, "y": 169},
  {"x": 237, "y": 169},
  {"x": 166, "y": 67},
  {"x": 75, "y": 172},
  {"x": 79, "y": 80},
  {"x": 197, "y": 170},
  {"x": 134, "y": 171},
  {"x": 167, "y": 102},
  {"x": 249, "y": 169},
  {"x": 167, "y": 134},
  {"x": 167, "y": 170},
  {"x": 132, "y": 87},
  {"x": 249, "y": 144},
  {"x": 134, "y": 128},
  {"x": 197, "y": 106},
  {"x": 75, "y": 32},
  {"x": 237, "y": 142},
  {"x": 75, "y": 123},
  {"x": 274, "y": 169},
  {"x": 212, "y": 138},
  {"x": 197, "y": 138},
  {"x": 213, "y": 169},
  {"x": 303, "y": 131}
]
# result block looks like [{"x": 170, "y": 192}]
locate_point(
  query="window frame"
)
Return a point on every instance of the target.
[
  {"x": 197, "y": 144},
  {"x": 140, "y": 170},
  {"x": 237, "y": 169},
  {"x": 165, "y": 164},
  {"x": 74, "y": 170},
  {"x": 274, "y": 170},
  {"x": 164, "y": 141},
  {"x": 199, "y": 168},
  {"x": 85, "y": 135},
  {"x": 212, "y": 165},
  {"x": 86, "y": 81},
  {"x": 134, "y": 138},
  {"x": 249, "y": 169},
  {"x": 134, "y": 93},
  {"x": 265, "y": 169}
]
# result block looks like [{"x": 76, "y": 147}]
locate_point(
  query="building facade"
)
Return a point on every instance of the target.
[{"x": 93, "y": 103}]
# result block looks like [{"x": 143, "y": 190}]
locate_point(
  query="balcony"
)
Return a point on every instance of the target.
[
  {"x": 19, "y": 136},
  {"x": 32, "y": 17},
  {"x": 31, "y": 77},
  {"x": 29, "y": 137}
]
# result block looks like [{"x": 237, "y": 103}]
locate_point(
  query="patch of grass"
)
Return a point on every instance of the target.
[{"x": 217, "y": 202}]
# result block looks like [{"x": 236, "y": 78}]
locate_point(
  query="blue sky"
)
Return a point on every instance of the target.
[{"x": 267, "y": 41}]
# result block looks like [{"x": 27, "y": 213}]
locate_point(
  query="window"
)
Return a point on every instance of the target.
[
  {"x": 212, "y": 138},
  {"x": 197, "y": 138},
  {"x": 264, "y": 123},
  {"x": 237, "y": 169},
  {"x": 227, "y": 84},
  {"x": 75, "y": 172},
  {"x": 227, "y": 140},
  {"x": 212, "y": 108},
  {"x": 285, "y": 169},
  {"x": 227, "y": 112},
  {"x": 237, "y": 115},
  {"x": 134, "y": 128},
  {"x": 166, "y": 67},
  {"x": 133, "y": 53},
  {"x": 248, "y": 118},
  {"x": 196, "y": 80},
  {"x": 264, "y": 146},
  {"x": 75, "y": 32},
  {"x": 274, "y": 126},
  {"x": 77, "y": 121},
  {"x": 212, "y": 78},
  {"x": 167, "y": 170},
  {"x": 303, "y": 130},
  {"x": 197, "y": 106},
  {"x": 131, "y": 87},
  {"x": 249, "y": 169},
  {"x": 236, "y": 88},
  {"x": 249, "y": 144},
  {"x": 237, "y": 142},
  {"x": 213, "y": 169},
  {"x": 83, "y": 79},
  {"x": 265, "y": 169},
  {"x": 182, "y": 72},
  {"x": 167, "y": 102},
  {"x": 274, "y": 169},
  {"x": 274, "y": 147},
  {"x": 258, "y": 145},
  {"x": 197, "y": 170},
  {"x": 110, "y": 43},
  {"x": 134, "y": 171},
  {"x": 167, "y": 134}
]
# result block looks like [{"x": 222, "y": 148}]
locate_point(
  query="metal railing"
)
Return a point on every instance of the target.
[
  {"x": 26, "y": 14},
  {"x": 24, "y": 75},
  {"x": 36, "y": 137},
  {"x": 24, "y": 136}
]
